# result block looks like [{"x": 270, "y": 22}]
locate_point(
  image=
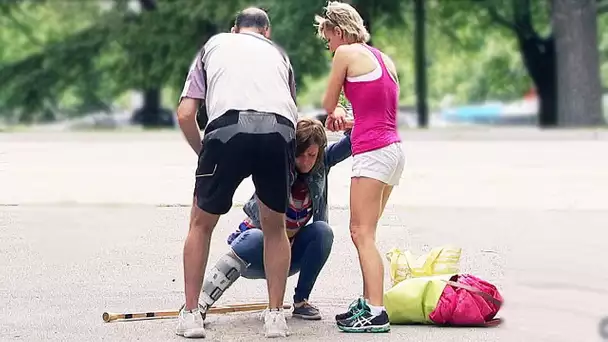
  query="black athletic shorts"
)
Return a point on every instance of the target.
[{"x": 240, "y": 144}]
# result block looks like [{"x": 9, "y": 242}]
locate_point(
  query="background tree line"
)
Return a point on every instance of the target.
[{"x": 69, "y": 58}]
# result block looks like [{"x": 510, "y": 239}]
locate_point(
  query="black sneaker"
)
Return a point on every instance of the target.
[
  {"x": 364, "y": 321},
  {"x": 355, "y": 306},
  {"x": 306, "y": 311}
]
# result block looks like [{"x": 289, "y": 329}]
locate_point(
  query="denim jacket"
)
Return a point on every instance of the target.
[{"x": 316, "y": 181}]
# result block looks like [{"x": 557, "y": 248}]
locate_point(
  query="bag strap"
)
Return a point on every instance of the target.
[{"x": 476, "y": 291}]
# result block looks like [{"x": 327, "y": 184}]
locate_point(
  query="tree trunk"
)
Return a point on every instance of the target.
[
  {"x": 539, "y": 58},
  {"x": 547, "y": 101},
  {"x": 578, "y": 75},
  {"x": 151, "y": 114},
  {"x": 151, "y": 108},
  {"x": 420, "y": 62}
]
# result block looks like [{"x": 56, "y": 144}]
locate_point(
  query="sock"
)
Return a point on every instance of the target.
[{"x": 375, "y": 310}]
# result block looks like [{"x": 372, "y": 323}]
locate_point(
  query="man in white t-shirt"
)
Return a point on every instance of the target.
[{"x": 248, "y": 88}]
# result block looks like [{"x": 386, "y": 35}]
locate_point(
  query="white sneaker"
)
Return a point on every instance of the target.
[
  {"x": 275, "y": 324},
  {"x": 190, "y": 324}
]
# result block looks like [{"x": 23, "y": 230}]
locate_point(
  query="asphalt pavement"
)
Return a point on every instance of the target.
[{"x": 94, "y": 222}]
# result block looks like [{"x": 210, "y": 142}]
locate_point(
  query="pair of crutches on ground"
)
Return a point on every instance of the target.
[
  {"x": 221, "y": 276},
  {"x": 227, "y": 308}
]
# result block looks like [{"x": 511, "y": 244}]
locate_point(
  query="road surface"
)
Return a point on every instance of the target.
[{"x": 94, "y": 222}]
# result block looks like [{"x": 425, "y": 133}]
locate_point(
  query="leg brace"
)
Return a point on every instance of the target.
[{"x": 225, "y": 272}]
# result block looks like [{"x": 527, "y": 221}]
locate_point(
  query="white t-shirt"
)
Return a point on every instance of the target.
[{"x": 242, "y": 71}]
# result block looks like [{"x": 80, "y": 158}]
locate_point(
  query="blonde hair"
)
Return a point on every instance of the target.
[{"x": 344, "y": 16}]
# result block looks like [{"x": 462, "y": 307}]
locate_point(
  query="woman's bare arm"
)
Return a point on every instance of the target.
[{"x": 336, "y": 81}]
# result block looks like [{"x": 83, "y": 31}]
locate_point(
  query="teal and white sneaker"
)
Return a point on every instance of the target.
[
  {"x": 355, "y": 306},
  {"x": 363, "y": 321}
]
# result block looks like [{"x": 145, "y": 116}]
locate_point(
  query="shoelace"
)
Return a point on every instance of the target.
[
  {"x": 266, "y": 312},
  {"x": 307, "y": 304},
  {"x": 354, "y": 305}
]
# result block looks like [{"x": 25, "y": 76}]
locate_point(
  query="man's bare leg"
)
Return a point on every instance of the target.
[
  {"x": 196, "y": 253},
  {"x": 277, "y": 254}
]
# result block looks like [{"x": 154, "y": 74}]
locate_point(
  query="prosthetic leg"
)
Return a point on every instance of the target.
[{"x": 225, "y": 272}]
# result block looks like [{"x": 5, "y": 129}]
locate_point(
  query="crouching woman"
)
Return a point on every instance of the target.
[{"x": 306, "y": 221}]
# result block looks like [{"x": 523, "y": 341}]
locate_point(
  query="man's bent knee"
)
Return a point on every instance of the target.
[
  {"x": 202, "y": 220},
  {"x": 273, "y": 222}
]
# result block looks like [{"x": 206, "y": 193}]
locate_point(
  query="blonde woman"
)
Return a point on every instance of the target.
[{"x": 369, "y": 80}]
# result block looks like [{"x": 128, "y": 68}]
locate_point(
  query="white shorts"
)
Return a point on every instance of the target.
[{"x": 385, "y": 164}]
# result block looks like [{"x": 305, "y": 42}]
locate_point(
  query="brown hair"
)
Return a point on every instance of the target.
[{"x": 310, "y": 132}]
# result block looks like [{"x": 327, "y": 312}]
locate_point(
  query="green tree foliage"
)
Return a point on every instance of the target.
[
  {"x": 75, "y": 57},
  {"x": 29, "y": 78},
  {"x": 112, "y": 51},
  {"x": 104, "y": 53},
  {"x": 484, "y": 63},
  {"x": 529, "y": 23}
]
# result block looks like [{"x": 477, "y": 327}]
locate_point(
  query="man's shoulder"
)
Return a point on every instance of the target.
[
  {"x": 269, "y": 42},
  {"x": 283, "y": 52},
  {"x": 218, "y": 38}
]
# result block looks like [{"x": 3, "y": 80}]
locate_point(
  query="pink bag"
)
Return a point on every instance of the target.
[{"x": 468, "y": 301}]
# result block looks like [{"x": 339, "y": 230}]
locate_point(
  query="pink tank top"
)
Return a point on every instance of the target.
[{"x": 374, "y": 109}]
